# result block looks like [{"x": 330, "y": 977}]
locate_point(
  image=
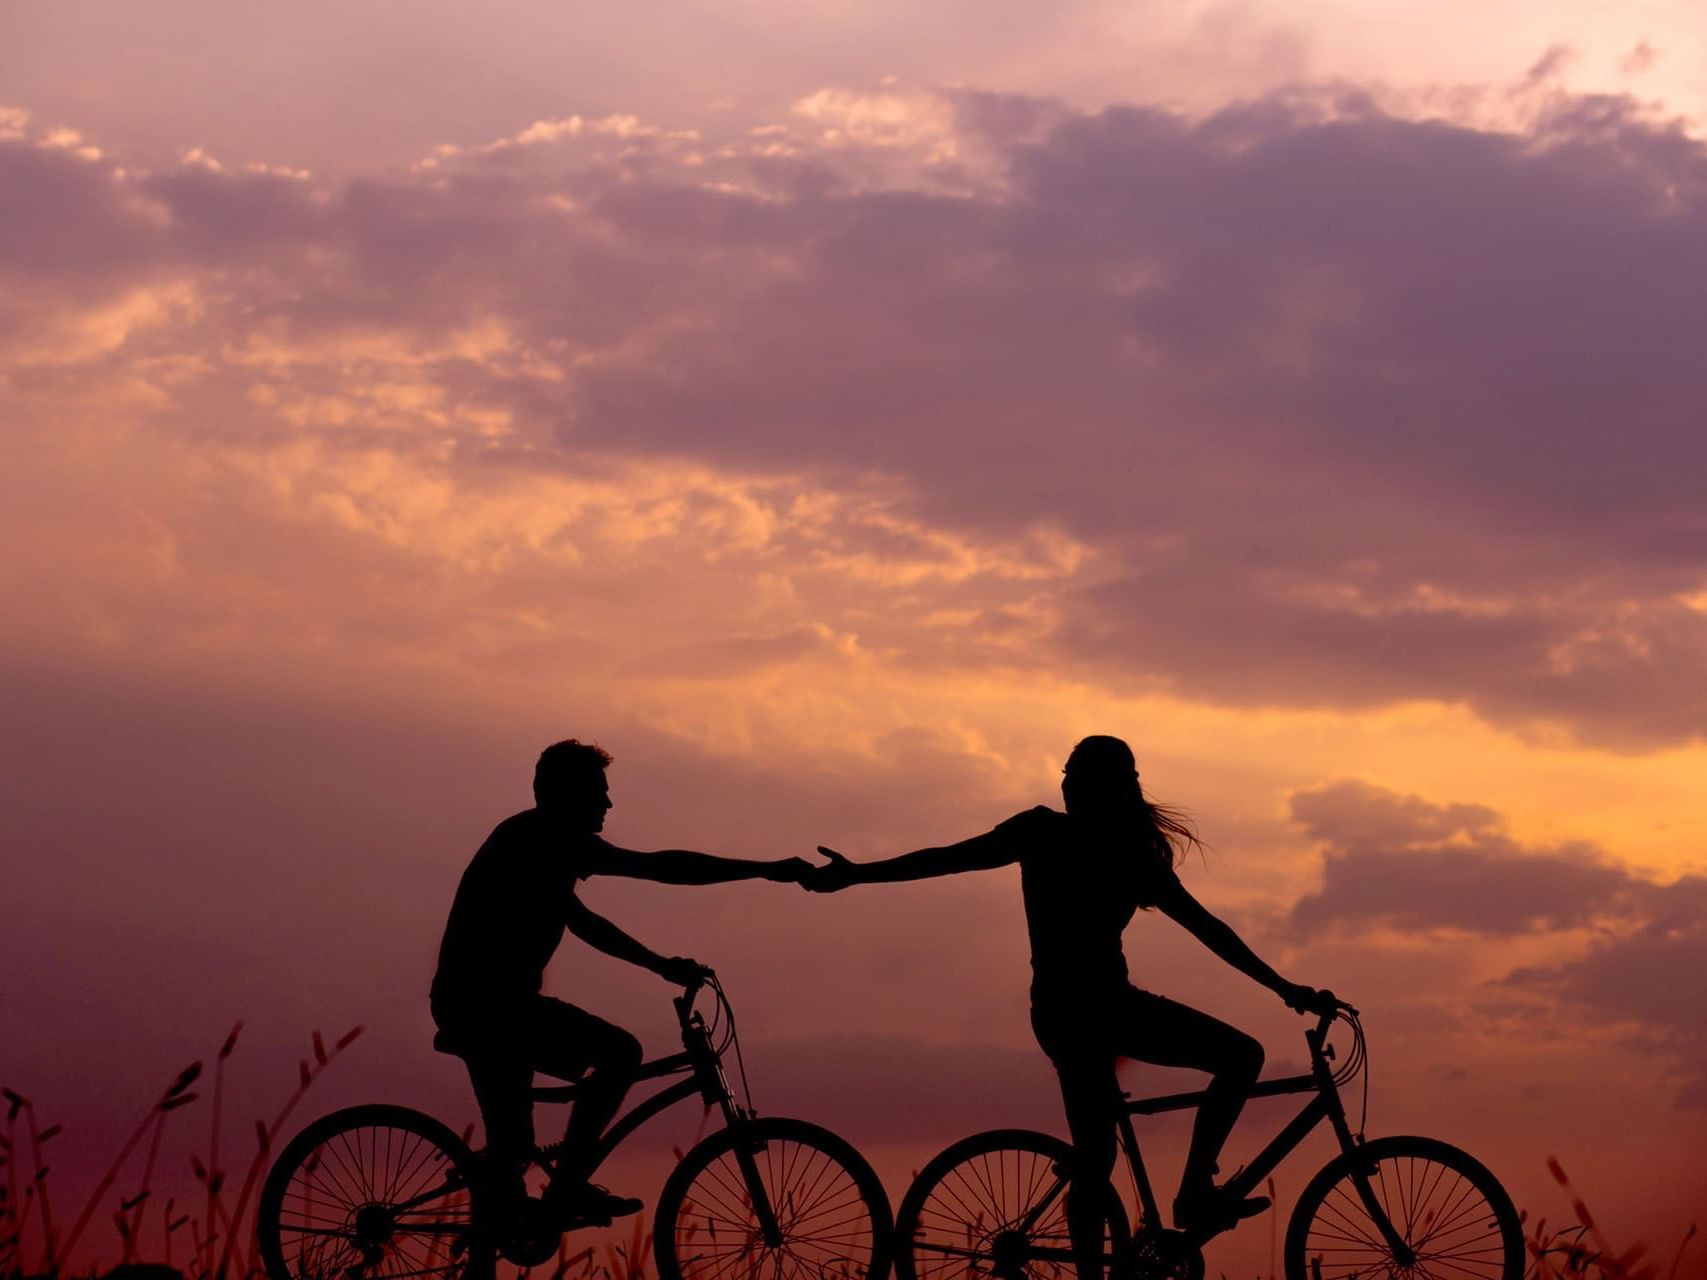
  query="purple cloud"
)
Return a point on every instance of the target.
[
  {"x": 1344, "y": 408},
  {"x": 1649, "y": 977},
  {"x": 1400, "y": 861}
]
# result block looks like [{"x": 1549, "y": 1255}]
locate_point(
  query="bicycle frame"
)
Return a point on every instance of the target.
[
  {"x": 702, "y": 1063},
  {"x": 699, "y": 1061},
  {"x": 1326, "y": 1105}
]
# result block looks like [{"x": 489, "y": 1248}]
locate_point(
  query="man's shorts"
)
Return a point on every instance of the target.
[
  {"x": 505, "y": 1042},
  {"x": 536, "y": 1033}
]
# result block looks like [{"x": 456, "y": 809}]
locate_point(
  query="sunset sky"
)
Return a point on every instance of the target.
[{"x": 836, "y": 410}]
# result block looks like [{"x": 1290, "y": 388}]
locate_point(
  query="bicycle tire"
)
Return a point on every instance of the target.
[
  {"x": 373, "y": 1190},
  {"x": 829, "y": 1203},
  {"x": 1443, "y": 1202},
  {"x": 956, "y": 1221}
]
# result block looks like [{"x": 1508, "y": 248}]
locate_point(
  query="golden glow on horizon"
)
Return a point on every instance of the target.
[{"x": 639, "y": 556}]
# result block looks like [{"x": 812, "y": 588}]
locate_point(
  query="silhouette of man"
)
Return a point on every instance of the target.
[{"x": 511, "y": 909}]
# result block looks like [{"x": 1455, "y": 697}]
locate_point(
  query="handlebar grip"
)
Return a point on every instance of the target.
[
  {"x": 691, "y": 989},
  {"x": 684, "y": 1002}
]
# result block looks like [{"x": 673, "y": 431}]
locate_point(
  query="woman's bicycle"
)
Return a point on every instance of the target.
[
  {"x": 994, "y": 1204},
  {"x": 384, "y": 1192}
]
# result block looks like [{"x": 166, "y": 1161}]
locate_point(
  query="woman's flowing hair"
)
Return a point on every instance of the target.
[
  {"x": 1173, "y": 832},
  {"x": 1107, "y": 762}
]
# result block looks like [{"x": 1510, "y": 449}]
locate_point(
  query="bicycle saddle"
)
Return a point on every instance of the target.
[{"x": 445, "y": 1042}]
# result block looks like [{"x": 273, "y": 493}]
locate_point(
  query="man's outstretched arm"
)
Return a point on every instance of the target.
[
  {"x": 684, "y": 866},
  {"x": 593, "y": 929}
]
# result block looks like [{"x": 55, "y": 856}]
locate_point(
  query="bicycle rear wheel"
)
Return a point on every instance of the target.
[
  {"x": 1451, "y": 1214},
  {"x": 369, "y": 1192},
  {"x": 830, "y": 1211},
  {"x": 995, "y": 1204}
]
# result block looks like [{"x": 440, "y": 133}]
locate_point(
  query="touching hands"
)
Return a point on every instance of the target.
[
  {"x": 837, "y": 874},
  {"x": 790, "y": 870}
]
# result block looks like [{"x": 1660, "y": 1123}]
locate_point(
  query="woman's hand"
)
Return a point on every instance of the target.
[
  {"x": 837, "y": 874},
  {"x": 1302, "y": 999}
]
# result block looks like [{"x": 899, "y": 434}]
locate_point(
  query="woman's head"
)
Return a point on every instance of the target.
[
  {"x": 1101, "y": 778},
  {"x": 1100, "y": 782}
]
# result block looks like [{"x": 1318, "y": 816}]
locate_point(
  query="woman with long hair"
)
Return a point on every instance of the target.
[{"x": 1084, "y": 873}]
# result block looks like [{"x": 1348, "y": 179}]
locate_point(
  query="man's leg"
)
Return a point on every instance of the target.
[
  {"x": 1171, "y": 1034},
  {"x": 501, "y": 1082},
  {"x": 568, "y": 1038}
]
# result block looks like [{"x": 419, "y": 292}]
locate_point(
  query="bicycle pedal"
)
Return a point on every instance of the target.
[{"x": 579, "y": 1221}]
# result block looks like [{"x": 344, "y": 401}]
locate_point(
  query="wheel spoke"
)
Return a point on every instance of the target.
[
  {"x": 993, "y": 1208},
  {"x": 1454, "y": 1220},
  {"x": 825, "y": 1216},
  {"x": 373, "y": 1193}
]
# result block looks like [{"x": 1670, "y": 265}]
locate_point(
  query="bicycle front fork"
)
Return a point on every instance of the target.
[
  {"x": 746, "y": 1157},
  {"x": 1403, "y": 1254}
]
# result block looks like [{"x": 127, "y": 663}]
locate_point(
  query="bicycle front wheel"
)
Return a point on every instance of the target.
[
  {"x": 777, "y": 1198},
  {"x": 995, "y": 1204},
  {"x": 1453, "y": 1219},
  {"x": 369, "y": 1193}
]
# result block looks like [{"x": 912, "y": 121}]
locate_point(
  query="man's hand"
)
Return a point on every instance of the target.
[
  {"x": 1302, "y": 999},
  {"x": 790, "y": 870},
  {"x": 837, "y": 874},
  {"x": 683, "y": 971}
]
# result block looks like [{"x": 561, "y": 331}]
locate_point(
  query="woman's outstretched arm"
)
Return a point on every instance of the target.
[
  {"x": 1215, "y": 933},
  {"x": 980, "y": 853}
]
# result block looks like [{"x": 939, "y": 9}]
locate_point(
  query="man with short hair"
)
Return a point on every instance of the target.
[{"x": 511, "y": 909}]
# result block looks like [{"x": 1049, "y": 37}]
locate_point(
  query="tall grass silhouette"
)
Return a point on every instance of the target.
[
  {"x": 221, "y": 1230},
  {"x": 1581, "y": 1251},
  {"x": 222, "y": 1243}
]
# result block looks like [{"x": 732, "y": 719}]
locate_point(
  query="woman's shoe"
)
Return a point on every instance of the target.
[
  {"x": 1211, "y": 1211},
  {"x": 589, "y": 1204}
]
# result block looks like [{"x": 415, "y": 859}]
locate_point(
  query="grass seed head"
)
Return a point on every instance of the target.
[
  {"x": 230, "y": 1042},
  {"x": 185, "y": 1078}
]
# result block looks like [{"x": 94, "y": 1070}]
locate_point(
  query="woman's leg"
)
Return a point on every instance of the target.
[
  {"x": 1073, "y": 1035},
  {"x": 1156, "y": 1029},
  {"x": 1089, "y": 1091}
]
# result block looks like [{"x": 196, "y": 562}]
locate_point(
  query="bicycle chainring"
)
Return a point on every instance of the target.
[
  {"x": 533, "y": 1238},
  {"x": 1165, "y": 1255}
]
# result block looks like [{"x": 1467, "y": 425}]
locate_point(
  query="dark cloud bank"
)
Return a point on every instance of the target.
[
  {"x": 1401, "y": 861},
  {"x": 1350, "y": 409}
]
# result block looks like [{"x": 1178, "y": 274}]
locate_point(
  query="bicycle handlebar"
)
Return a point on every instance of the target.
[
  {"x": 1326, "y": 1019},
  {"x": 691, "y": 990}
]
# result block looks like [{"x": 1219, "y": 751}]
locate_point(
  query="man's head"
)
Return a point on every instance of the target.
[{"x": 569, "y": 784}]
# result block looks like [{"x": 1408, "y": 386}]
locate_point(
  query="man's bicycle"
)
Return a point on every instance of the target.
[
  {"x": 994, "y": 1204},
  {"x": 384, "y": 1192}
]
